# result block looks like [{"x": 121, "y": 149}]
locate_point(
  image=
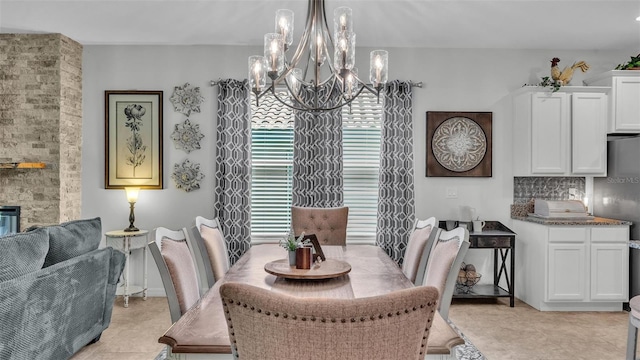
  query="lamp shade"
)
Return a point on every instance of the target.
[
  {"x": 284, "y": 25},
  {"x": 274, "y": 52},
  {"x": 379, "y": 61},
  {"x": 257, "y": 72},
  {"x": 345, "y": 51},
  {"x": 132, "y": 193},
  {"x": 342, "y": 20}
]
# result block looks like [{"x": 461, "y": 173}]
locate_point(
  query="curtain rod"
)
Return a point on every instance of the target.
[{"x": 413, "y": 84}]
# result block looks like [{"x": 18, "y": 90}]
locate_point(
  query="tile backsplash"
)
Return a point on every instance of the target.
[{"x": 548, "y": 188}]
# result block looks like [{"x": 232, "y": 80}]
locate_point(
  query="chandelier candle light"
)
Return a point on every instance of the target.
[
  {"x": 132, "y": 197},
  {"x": 341, "y": 77}
]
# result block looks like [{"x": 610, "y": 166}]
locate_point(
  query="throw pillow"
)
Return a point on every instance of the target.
[
  {"x": 23, "y": 253},
  {"x": 72, "y": 239}
]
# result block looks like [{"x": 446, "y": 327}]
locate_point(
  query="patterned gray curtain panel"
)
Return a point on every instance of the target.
[
  {"x": 317, "y": 154},
  {"x": 396, "y": 207},
  {"x": 233, "y": 166}
]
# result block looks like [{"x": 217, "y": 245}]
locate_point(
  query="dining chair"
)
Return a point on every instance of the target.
[
  {"x": 177, "y": 269},
  {"x": 264, "y": 324},
  {"x": 634, "y": 324},
  {"x": 444, "y": 261},
  {"x": 209, "y": 249},
  {"x": 418, "y": 249},
  {"x": 328, "y": 224}
]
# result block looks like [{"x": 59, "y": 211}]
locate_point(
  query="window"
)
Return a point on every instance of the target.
[{"x": 272, "y": 167}]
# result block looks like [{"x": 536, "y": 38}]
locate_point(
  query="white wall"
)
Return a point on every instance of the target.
[{"x": 454, "y": 80}]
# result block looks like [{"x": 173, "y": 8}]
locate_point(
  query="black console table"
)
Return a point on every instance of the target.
[{"x": 502, "y": 240}]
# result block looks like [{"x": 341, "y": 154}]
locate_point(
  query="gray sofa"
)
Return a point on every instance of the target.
[{"x": 56, "y": 290}]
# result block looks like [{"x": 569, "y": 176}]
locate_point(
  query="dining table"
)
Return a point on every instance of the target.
[{"x": 202, "y": 333}]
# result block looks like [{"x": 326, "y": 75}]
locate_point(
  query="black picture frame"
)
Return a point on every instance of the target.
[
  {"x": 316, "y": 246},
  {"x": 479, "y": 125},
  {"x": 133, "y": 139}
]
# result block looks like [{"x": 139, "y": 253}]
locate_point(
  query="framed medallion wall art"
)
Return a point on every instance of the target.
[
  {"x": 458, "y": 144},
  {"x": 133, "y": 139}
]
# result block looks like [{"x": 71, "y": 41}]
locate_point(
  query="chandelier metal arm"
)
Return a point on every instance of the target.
[
  {"x": 340, "y": 85},
  {"x": 317, "y": 110}
]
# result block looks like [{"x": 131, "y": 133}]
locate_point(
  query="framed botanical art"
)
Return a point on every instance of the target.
[
  {"x": 133, "y": 139},
  {"x": 459, "y": 143}
]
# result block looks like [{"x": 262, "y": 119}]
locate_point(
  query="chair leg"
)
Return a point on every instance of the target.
[{"x": 632, "y": 340}]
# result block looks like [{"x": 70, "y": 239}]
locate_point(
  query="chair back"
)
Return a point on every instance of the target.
[
  {"x": 418, "y": 249},
  {"x": 209, "y": 249},
  {"x": 328, "y": 224},
  {"x": 177, "y": 269},
  {"x": 267, "y": 325},
  {"x": 444, "y": 262}
]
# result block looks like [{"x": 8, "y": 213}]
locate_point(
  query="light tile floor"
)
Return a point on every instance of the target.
[
  {"x": 522, "y": 332},
  {"x": 498, "y": 331}
]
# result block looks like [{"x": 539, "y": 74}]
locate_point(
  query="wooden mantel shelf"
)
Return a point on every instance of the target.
[{"x": 23, "y": 165}]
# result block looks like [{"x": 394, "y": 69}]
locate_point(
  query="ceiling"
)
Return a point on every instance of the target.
[{"x": 502, "y": 24}]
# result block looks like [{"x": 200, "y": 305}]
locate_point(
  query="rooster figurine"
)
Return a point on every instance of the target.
[{"x": 565, "y": 76}]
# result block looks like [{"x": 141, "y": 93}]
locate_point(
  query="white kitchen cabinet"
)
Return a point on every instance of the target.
[
  {"x": 561, "y": 133},
  {"x": 566, "y": 272},
  {"x": 572, "y": 267},
  {"x": 624, "y": 99},
  {"x": 609, "y": 276}
]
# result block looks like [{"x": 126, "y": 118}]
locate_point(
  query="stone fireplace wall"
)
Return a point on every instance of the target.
[{"x": 41, "y": 121}]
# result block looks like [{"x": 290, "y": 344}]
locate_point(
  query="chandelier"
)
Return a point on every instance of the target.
[{"x": 310, "y": 79}]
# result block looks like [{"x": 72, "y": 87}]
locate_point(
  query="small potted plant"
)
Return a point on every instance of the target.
[
  {"x": 290, "y": 243},
  {"x": 633, "y": 64}
]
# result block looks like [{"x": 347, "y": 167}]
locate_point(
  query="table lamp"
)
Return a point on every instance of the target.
[{"x": 132, "y": 197}]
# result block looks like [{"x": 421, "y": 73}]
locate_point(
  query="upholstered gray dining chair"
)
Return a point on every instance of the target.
[
  {"x": 418, "y": 249},
  {"x": 264, "y": 324},
  {"x": 209, "y": 249},
  {"x": 444, "y": 261},
  {"x": 177, "y": 269},
  {"x": 328, "y": 224}
]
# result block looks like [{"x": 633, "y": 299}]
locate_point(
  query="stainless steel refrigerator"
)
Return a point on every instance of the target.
[{"x": 617, "y": 196}]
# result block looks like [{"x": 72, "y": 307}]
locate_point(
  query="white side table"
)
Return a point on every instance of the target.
[{"x": 127, "y": 241}]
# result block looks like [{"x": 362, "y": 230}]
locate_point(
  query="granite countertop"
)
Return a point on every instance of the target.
[
  {"x": 634, "y": 244},
  {"x": 594, "y": 222}
]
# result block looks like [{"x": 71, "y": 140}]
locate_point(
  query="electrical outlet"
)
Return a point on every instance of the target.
[
  {"x": 452, "y": 193},
  {"x": 573, "y": 193}
]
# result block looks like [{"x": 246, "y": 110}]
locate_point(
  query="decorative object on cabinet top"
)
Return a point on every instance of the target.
[
  {"x": 561, "y": 78},
  {"x": 458, "y": 143},
  {"x": 187, "y": 136},
  {"x": 187, "y": 176},
  {"x": 186, "y": 98},
  {"x": 633, "y": 64}
]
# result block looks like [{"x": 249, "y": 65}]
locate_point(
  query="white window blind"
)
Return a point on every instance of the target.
[
  {"x": 272, "y": 167},
  {"x": 361, "y": 157}
]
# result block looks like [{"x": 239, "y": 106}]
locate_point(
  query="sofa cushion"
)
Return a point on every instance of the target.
[
  {"x": 23, "y": 253},
  {"x": 72, "y": 239}
]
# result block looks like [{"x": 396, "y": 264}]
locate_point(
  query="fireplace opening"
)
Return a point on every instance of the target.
[{"x": 9, "y": 220}]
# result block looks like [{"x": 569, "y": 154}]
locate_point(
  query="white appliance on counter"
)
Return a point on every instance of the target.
[{"x": 560, "y": 210}]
